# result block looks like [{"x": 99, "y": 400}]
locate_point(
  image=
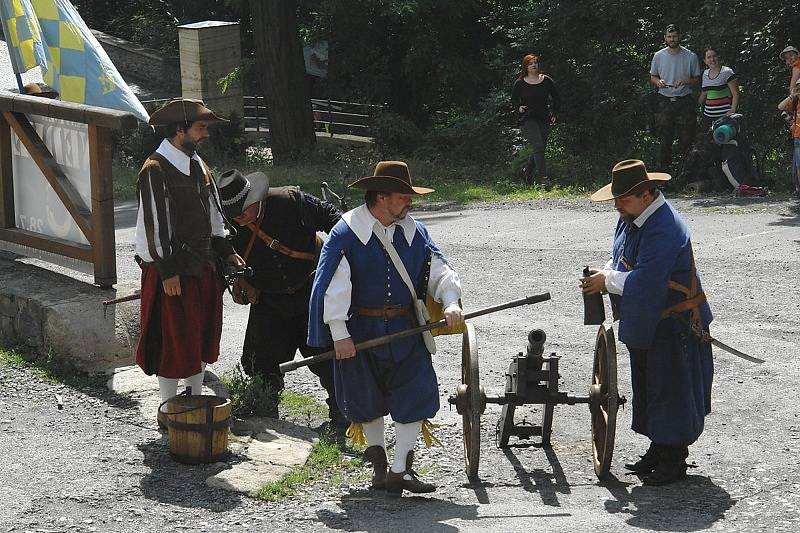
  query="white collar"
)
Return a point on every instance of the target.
[
  {"x": 178, "y": 158},
  {"x": 361, "y": 222},
  {"x": 658, "y": 202}
]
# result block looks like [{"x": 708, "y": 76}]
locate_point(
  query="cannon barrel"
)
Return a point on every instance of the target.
[{"x": 536, "y": 338}]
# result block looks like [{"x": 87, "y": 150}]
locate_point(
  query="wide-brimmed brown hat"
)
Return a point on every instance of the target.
[
  {"x": 629, "y": 177},
  {"x": 390, "y": 176},
  {"x": 237, "y": 192},
  {"x": 41, "y": 90},
  {"x": 183, "y": 110}
]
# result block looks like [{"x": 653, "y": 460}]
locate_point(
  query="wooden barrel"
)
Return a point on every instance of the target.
[{"x": 198, "y": 428}]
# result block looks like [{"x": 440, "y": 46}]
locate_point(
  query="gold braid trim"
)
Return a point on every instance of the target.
[
  {"x": 427, "y": 434},
  {"x": 356, "y": 433}
]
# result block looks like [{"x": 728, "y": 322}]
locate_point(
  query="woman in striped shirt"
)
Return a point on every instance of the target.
[{"x": 719, "y": 94}]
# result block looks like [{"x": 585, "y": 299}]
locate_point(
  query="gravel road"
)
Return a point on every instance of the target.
[{"x": 97, "y": 465}]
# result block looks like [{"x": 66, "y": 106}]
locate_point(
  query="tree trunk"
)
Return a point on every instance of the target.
[{"x": 282, "y": 72}]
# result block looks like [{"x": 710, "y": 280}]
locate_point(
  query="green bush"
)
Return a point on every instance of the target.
[
  {"x": 483, "y": 136},
  {"x": 249, "y": 395},
  {"x": 393, "y": 133}
]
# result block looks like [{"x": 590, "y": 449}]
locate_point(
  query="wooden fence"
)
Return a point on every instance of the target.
[{"x": 333, "y": 117}]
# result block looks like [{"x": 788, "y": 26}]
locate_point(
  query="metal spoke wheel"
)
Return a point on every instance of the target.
[
  {"x": 475, "y": 404},
  {"x": 604, "y": 400}
]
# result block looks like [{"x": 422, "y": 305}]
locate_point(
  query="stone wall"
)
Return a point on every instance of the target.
[
  {"x": 50, "y": 312},
  {"x": 137, "y": 63}
]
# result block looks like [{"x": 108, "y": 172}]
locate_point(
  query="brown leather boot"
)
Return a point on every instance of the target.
[
  {"x": 377, "y": 456},
  {"x": 396, "y": 482}
]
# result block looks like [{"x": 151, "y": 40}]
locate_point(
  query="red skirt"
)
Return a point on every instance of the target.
[{"x": 178, "y": 332}]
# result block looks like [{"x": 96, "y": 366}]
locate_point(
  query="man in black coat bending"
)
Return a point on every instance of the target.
[{"x": 277, "y": 237}]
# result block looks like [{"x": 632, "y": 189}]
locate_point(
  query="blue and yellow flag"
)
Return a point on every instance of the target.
[
  {"x": 75, "y": 64},
  {"x": 23, "y": 35}
]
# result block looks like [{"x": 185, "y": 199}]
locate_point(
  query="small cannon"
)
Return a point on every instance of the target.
[{"x": 532, "y": 378}]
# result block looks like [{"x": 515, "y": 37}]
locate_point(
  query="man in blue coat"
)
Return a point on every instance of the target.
[
  {"x": 653, "y": 283},
  {"x": 360, "y": 293}
]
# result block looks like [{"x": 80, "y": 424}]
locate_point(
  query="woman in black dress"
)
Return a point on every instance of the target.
[{"x": 535, "y": 97}]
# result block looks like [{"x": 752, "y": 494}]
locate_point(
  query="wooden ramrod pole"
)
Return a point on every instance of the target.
[{"x": 378, "y": 341}]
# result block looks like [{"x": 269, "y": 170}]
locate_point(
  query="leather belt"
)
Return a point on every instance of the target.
[
  {"x": 278, "y": 246},
  {"x": 385, "y": 312}
]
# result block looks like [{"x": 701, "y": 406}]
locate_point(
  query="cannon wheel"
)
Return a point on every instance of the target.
[
  {"x": 604, "y": 401},
  {"x": 471, "y": 416}
]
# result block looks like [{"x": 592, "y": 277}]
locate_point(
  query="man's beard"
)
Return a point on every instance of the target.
[
  {"x": 674, "y": 45},
  {"x": 628, "y": 219},
  {"x": 189, "y": 146}
]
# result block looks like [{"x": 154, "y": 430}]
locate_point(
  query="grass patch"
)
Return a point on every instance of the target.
[
  {"x": 46, "y": 367},
  {"x": 326, "y": 461},
  {"x": 338, "y": 165},
  {"x": 301, "y": 406},
  {"x": 124, "y": 182}
]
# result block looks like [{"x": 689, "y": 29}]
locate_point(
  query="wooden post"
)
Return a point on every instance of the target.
[
  {"x": 7, "y": 215},
  {"x": 103, "y": 240},
  {"x": 210, "y": 50}
]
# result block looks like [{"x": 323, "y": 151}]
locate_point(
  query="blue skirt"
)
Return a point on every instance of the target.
[{"x": 671, "y": 384}]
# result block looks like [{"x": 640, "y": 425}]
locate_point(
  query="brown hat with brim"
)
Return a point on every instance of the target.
[
  {"x": 183, "y": 110},
  {"x": 390, "y": 176},
  {"x": 41, "y": 90},
  {"x": 629, "y": 177}
]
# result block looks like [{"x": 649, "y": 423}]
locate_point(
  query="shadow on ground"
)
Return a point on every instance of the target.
[
  {"x": 183, "y": 485},
  {"x": 691, "y": 505},
  {"x": 409, "y": 513}
]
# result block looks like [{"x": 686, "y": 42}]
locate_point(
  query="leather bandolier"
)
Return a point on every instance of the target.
[
  {"x": 284, "y": 256},
  {"x": 693, "y": 298}
]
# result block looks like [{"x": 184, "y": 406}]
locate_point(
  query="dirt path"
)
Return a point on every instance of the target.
[{"x": 95, "y": 466}]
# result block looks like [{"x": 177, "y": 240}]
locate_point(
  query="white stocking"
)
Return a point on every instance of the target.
[
  {"x": 373, "y": 431},
  {"x": 196, "y": 381},
  {"x": 167, "y": 388},
  {"x": 405, "y": 441}
]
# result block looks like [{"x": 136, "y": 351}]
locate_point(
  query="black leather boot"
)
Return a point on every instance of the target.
[
  {"x": 377, "y": 456},
  {"x": 671, "y": 466},
  {"x": 647, "y": 463}
]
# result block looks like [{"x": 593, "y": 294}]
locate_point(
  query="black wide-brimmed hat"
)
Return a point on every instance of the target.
[
  {"x": 183, "y": 110},
  {"x": 237, "y": 192},
  {"x": 629, "y": 177},
  {"x": 390, "y": 176}
]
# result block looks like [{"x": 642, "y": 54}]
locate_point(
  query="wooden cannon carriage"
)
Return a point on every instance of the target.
[{"x": 532, "y": 378}]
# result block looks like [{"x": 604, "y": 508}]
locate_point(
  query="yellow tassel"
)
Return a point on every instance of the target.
[
  {"x": 356, "y": 433},
  {"x": 427, "y": 434}
]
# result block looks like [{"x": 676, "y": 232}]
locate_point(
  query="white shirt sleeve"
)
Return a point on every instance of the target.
[
  {"x": 217, "y": 222},
  {"x": 337, "y": 301},
  {"x": 615, "y": 281},
  {"x": 443, "y": 283}
]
